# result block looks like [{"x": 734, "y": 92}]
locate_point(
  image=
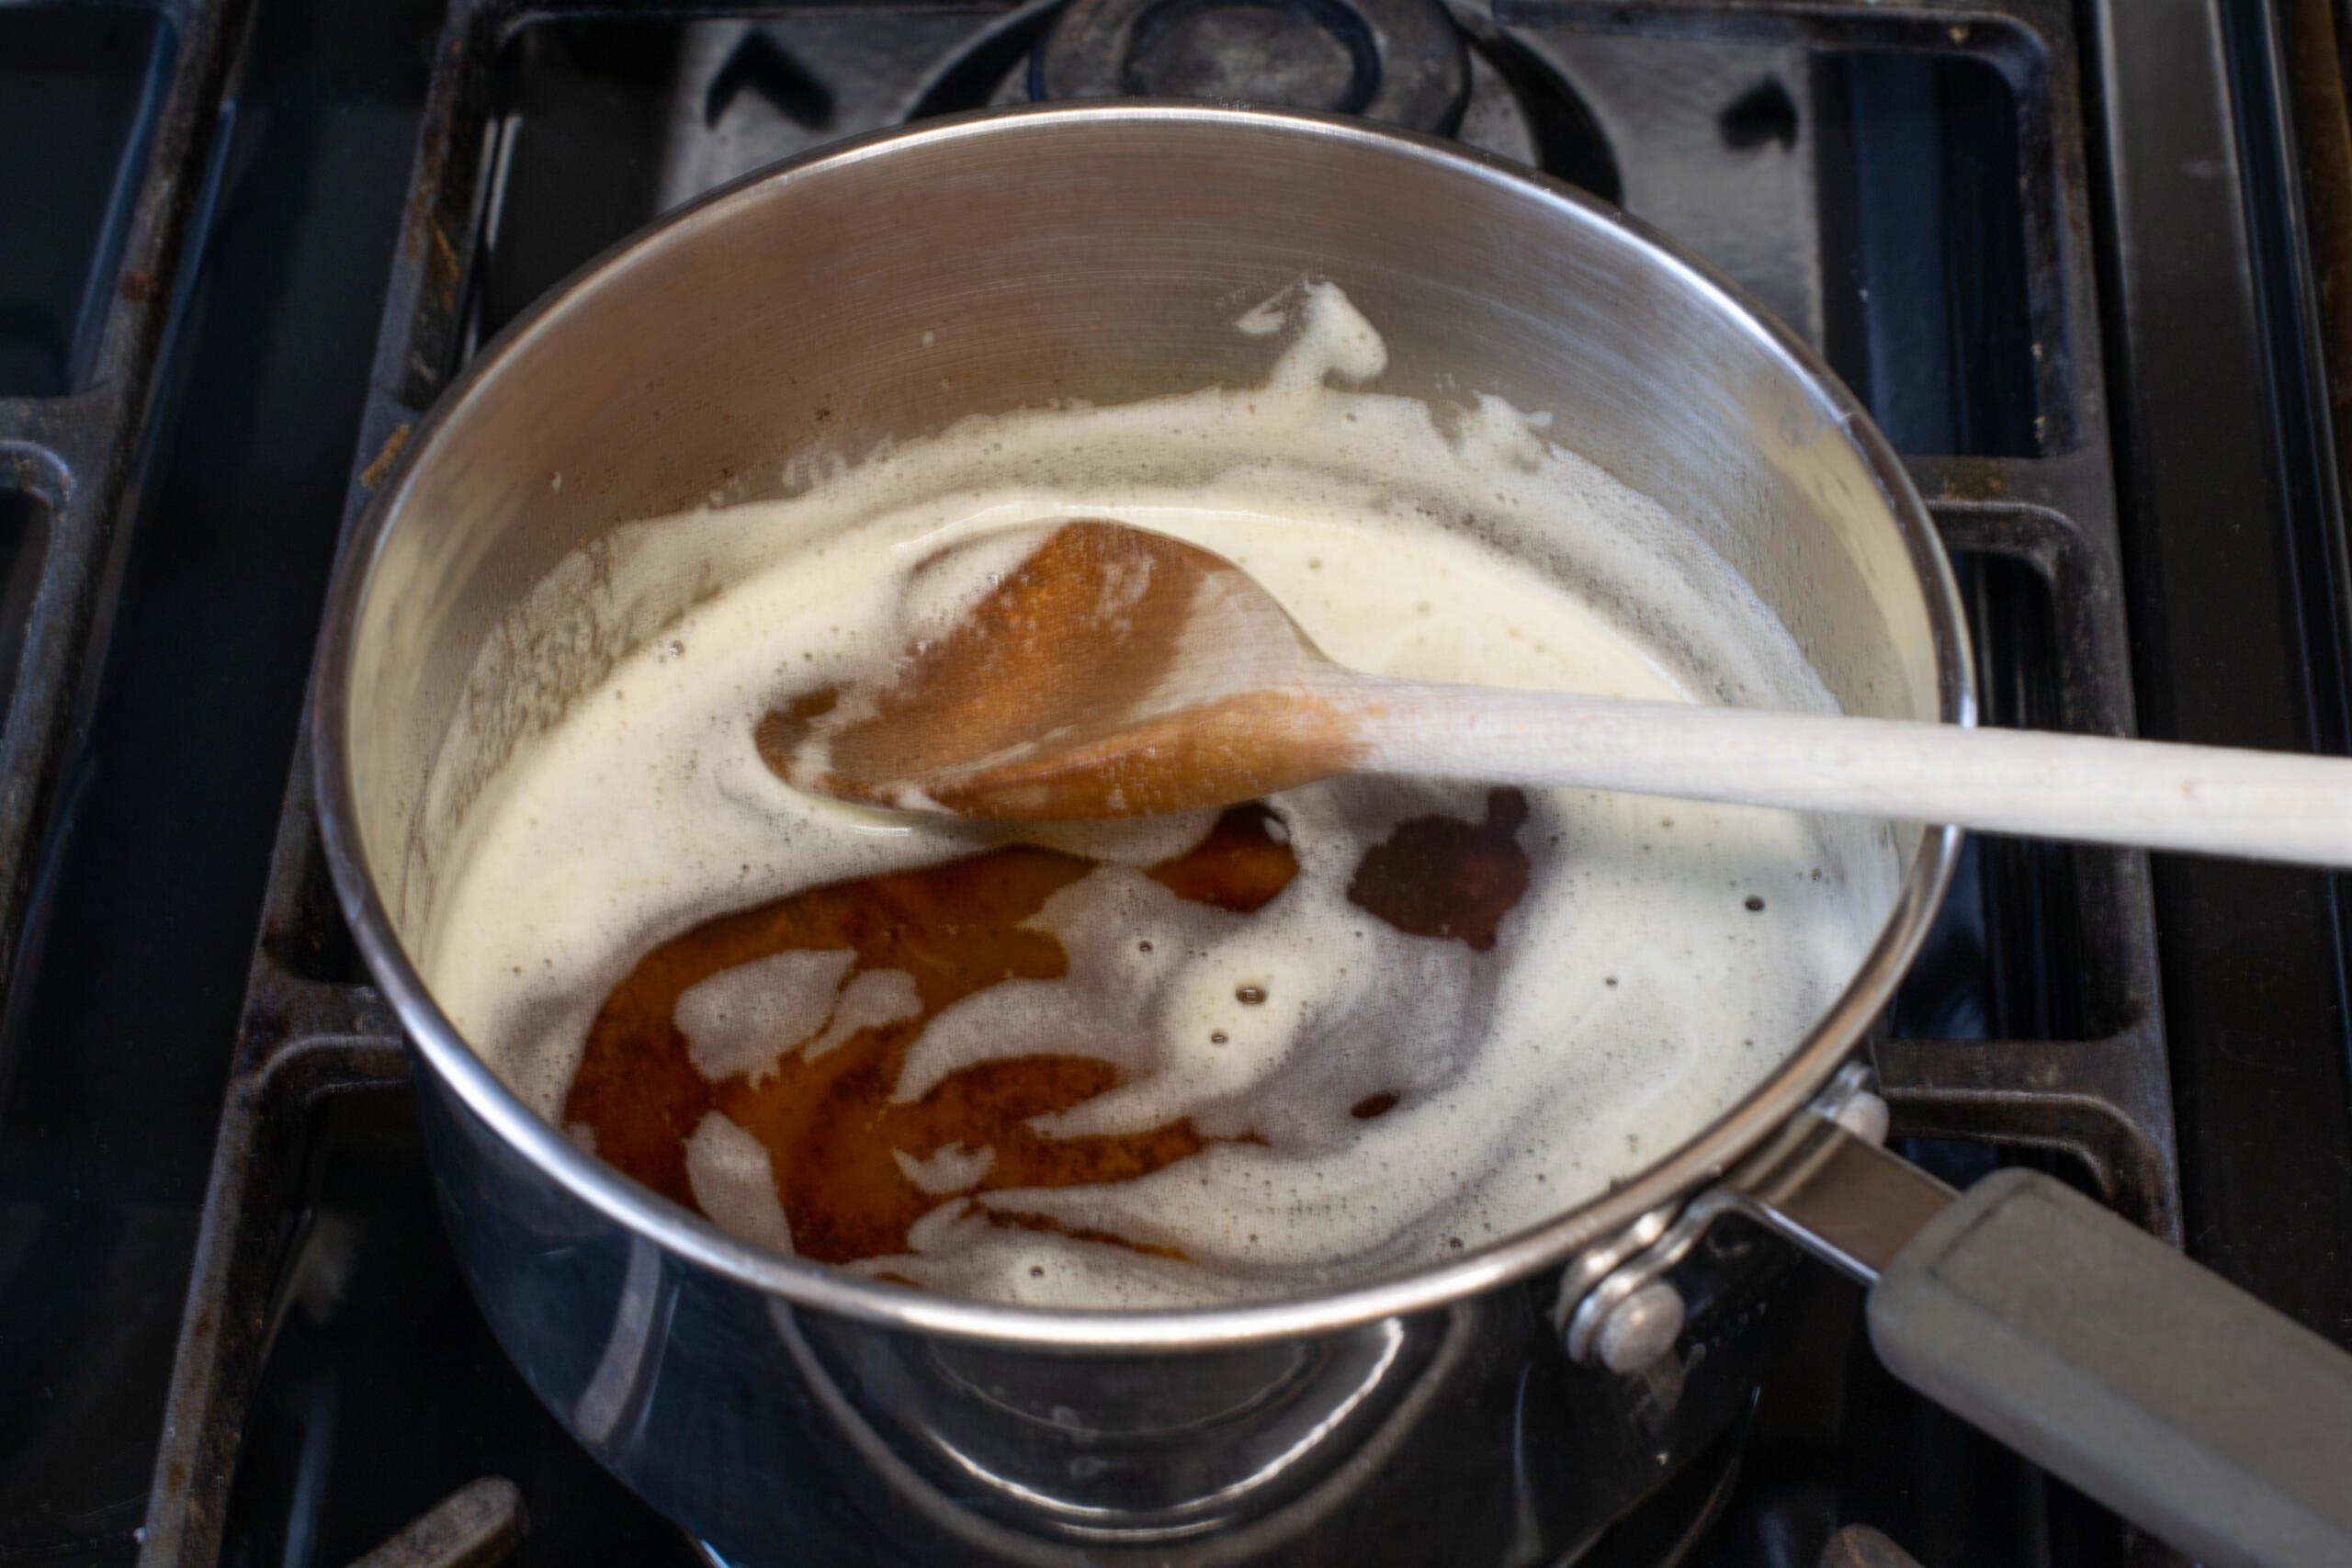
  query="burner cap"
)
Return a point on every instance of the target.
[{"x": 1398, "y": 61}]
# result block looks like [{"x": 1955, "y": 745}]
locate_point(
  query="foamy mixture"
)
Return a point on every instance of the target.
[{"x": 1664, "y": 958}]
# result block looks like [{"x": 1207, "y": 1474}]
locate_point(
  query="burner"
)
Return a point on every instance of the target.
[
  {"x": 1398, "y": 61},
  {"x": 1520, "y": 104}
]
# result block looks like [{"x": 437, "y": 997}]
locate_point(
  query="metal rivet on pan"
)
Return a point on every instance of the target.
[{"x": 1640, "y": 1329}]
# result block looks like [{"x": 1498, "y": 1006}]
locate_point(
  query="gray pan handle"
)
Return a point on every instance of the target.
[
  {"x": 2093, "y": 1349},
  {"x": 2100, "y": 1353}
]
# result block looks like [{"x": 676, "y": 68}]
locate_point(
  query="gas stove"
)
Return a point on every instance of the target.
[{"x": 2060, "y": 250}]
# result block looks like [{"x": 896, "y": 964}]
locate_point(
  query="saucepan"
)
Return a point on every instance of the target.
[{"x": 1506, "y": 1406}]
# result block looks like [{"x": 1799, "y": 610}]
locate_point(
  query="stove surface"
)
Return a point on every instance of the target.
[{"x": 2059, "y": 257}]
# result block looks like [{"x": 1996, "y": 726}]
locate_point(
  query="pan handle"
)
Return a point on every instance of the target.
[{"x": 2093, "y": 1349}]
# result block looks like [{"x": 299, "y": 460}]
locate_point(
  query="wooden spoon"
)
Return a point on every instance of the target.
[{"x": 1119, "y": 672}]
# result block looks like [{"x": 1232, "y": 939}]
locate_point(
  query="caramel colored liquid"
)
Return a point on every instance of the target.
[
  {"x": 830, "y": 1127},
  {"x": 1443, "y": 878}
]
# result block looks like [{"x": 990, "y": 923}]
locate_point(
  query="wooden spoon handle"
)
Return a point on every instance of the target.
[{"x": 2258, "y": 805}]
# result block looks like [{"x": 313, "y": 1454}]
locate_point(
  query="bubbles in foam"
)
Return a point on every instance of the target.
[{"x": 1381, "y": 1095}]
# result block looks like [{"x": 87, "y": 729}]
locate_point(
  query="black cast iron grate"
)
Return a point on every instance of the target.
[
  {"x": 68, "y": 441},
  {"x": 2084, "y": 1077}
]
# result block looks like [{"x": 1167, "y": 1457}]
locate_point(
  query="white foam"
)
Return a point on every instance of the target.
[
  {"x": 733, "y": 1181},
  {"x": 1633, "y": 994},
  {"x": 743, "y": 1019},
  {"x": 874, "y": 997},
  {"x": 951, "y": 1168}
]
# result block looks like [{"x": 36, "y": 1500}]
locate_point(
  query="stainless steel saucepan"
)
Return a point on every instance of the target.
[{"x": 1503, "y": 1406}]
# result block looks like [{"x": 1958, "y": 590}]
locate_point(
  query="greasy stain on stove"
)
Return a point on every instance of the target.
[{"x": 1919, "y": 188}]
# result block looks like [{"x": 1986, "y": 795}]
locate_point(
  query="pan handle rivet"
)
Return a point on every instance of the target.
[{"x": 1640, "y": 1329}]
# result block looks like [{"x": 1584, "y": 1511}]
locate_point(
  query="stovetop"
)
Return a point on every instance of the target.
[{"x": 2058, "y": 249}]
